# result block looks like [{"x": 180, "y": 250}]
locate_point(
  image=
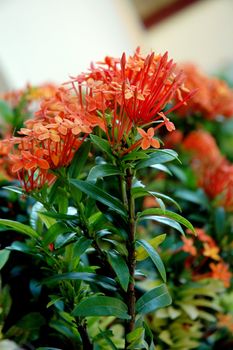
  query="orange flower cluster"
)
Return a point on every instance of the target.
[
  {"x": 132, "y": 92},
  {"x": 30, "y": 94},
  {"x": 50, "y": 140},
  {"x": 214, "y": 172},
  {"x": 121, "y": 96},
  {"x": 213, "y": 97},
  {"x": 207, "y": 250},
  {"x": 5, "y": 172}
]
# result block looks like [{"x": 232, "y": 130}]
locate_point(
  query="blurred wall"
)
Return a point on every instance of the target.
[
  {"x": 201, "y": 33},
  {"x": 48, "y": 40}
]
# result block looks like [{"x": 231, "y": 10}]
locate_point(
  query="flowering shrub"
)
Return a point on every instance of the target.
[
  {"x": 79, "y": 158},
  {"x": 102, "y": 259}
]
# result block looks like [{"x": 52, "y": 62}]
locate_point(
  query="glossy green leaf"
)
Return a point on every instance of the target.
[
  {"x": 21, "y": 247},
  {"x": 105, "y": 282},
  {"x": 54, "y": 231},
  {"x": 100, "y": 195},
  {"x": 169, "y": 214},
  {"x": 102, "y": 144},
  {"x": 64, "y": 239},
  {"x": 153, "y": 300},
  {"x": 161, "y": 167},
  {"x": 157, "y": 157},
  {"x": 102, "y": 306},
  {"x": 154, "y": 257},
  {"x": 138, "y": 192},
  {"x": 102, "y": 170},
  {"x": 79, "y": 160},
  {"x": 4, "y": 255},
  {"x": 142, "y": 254},
  {"x": 164, "y": 220},
  {"x": 19, "y": 227},
  {"x": 81, "y": 246},
  {"x": 120, "y": 267}
]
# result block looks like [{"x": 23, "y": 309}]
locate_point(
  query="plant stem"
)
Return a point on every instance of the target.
[
  {"x": 87, "y": 345},
  {"x": 131, "y": 262}
]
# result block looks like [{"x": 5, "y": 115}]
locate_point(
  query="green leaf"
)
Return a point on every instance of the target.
[
  {"x": 79, "y": 160},
  {"x": 102, "y": 144},
  {"x": 21, "y": 247},
  {"x": 102, "y": 170},
  {"x": 153, "y": 300},
  {"x": 136, "y": 339},
  {"x": 142, "y": 254},
  {"x": 154, "y": 257},
  {"x": 54, "y": 231},
  {"x": 120, "y": 267},
  {"x": 100, "y": 195},
  {"x": 108, "y": 339},
  {"x": 104, "y": 282},
  {"x": 190, "y": 310},
  {"x": 64, "y": 239},
  {"x": 62, "y": 200},
  {"x": 161, "y": 167},
  {"x": 219, "y": 220},
  {"x": 157, "y": 157},
  {"x": 135, "y": 155},
  {"x": 166, "y": 221},
  {"x": 57, "y": 216},
  {"x": 138, "y": 192},
  {"x": 169, "y": 214},
  {"x": 14, "y": 189},
  {"x": 197, "y": 197},
  {"x": 81, "y": 246},
  {"x": 19, "y": 227},
  {"x": 102, "y": 306},
  {"x": 167, "y": 198},
  {"x": 4, "y": 255}
]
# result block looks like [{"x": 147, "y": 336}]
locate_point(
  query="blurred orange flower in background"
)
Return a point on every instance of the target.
[{"x": 213, "y": 97}]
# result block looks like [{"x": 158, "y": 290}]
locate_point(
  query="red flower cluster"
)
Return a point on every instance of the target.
[
  {"x": 204, "y": 258},
  {"x": 214, "y": 172},
  {"x": 121, "y": 96},
  {"x": 213, "y": 97},
  {"x": 132, "y": 92},
  {"x": 203, "y": 147},
  {"x": 218, "y": 184}
]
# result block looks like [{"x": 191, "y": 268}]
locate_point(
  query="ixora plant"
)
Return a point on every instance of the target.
[{"x": 83, "y": 158}]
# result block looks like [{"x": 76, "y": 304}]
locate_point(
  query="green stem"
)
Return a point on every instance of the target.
[{"x": 131, "y": 261}]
